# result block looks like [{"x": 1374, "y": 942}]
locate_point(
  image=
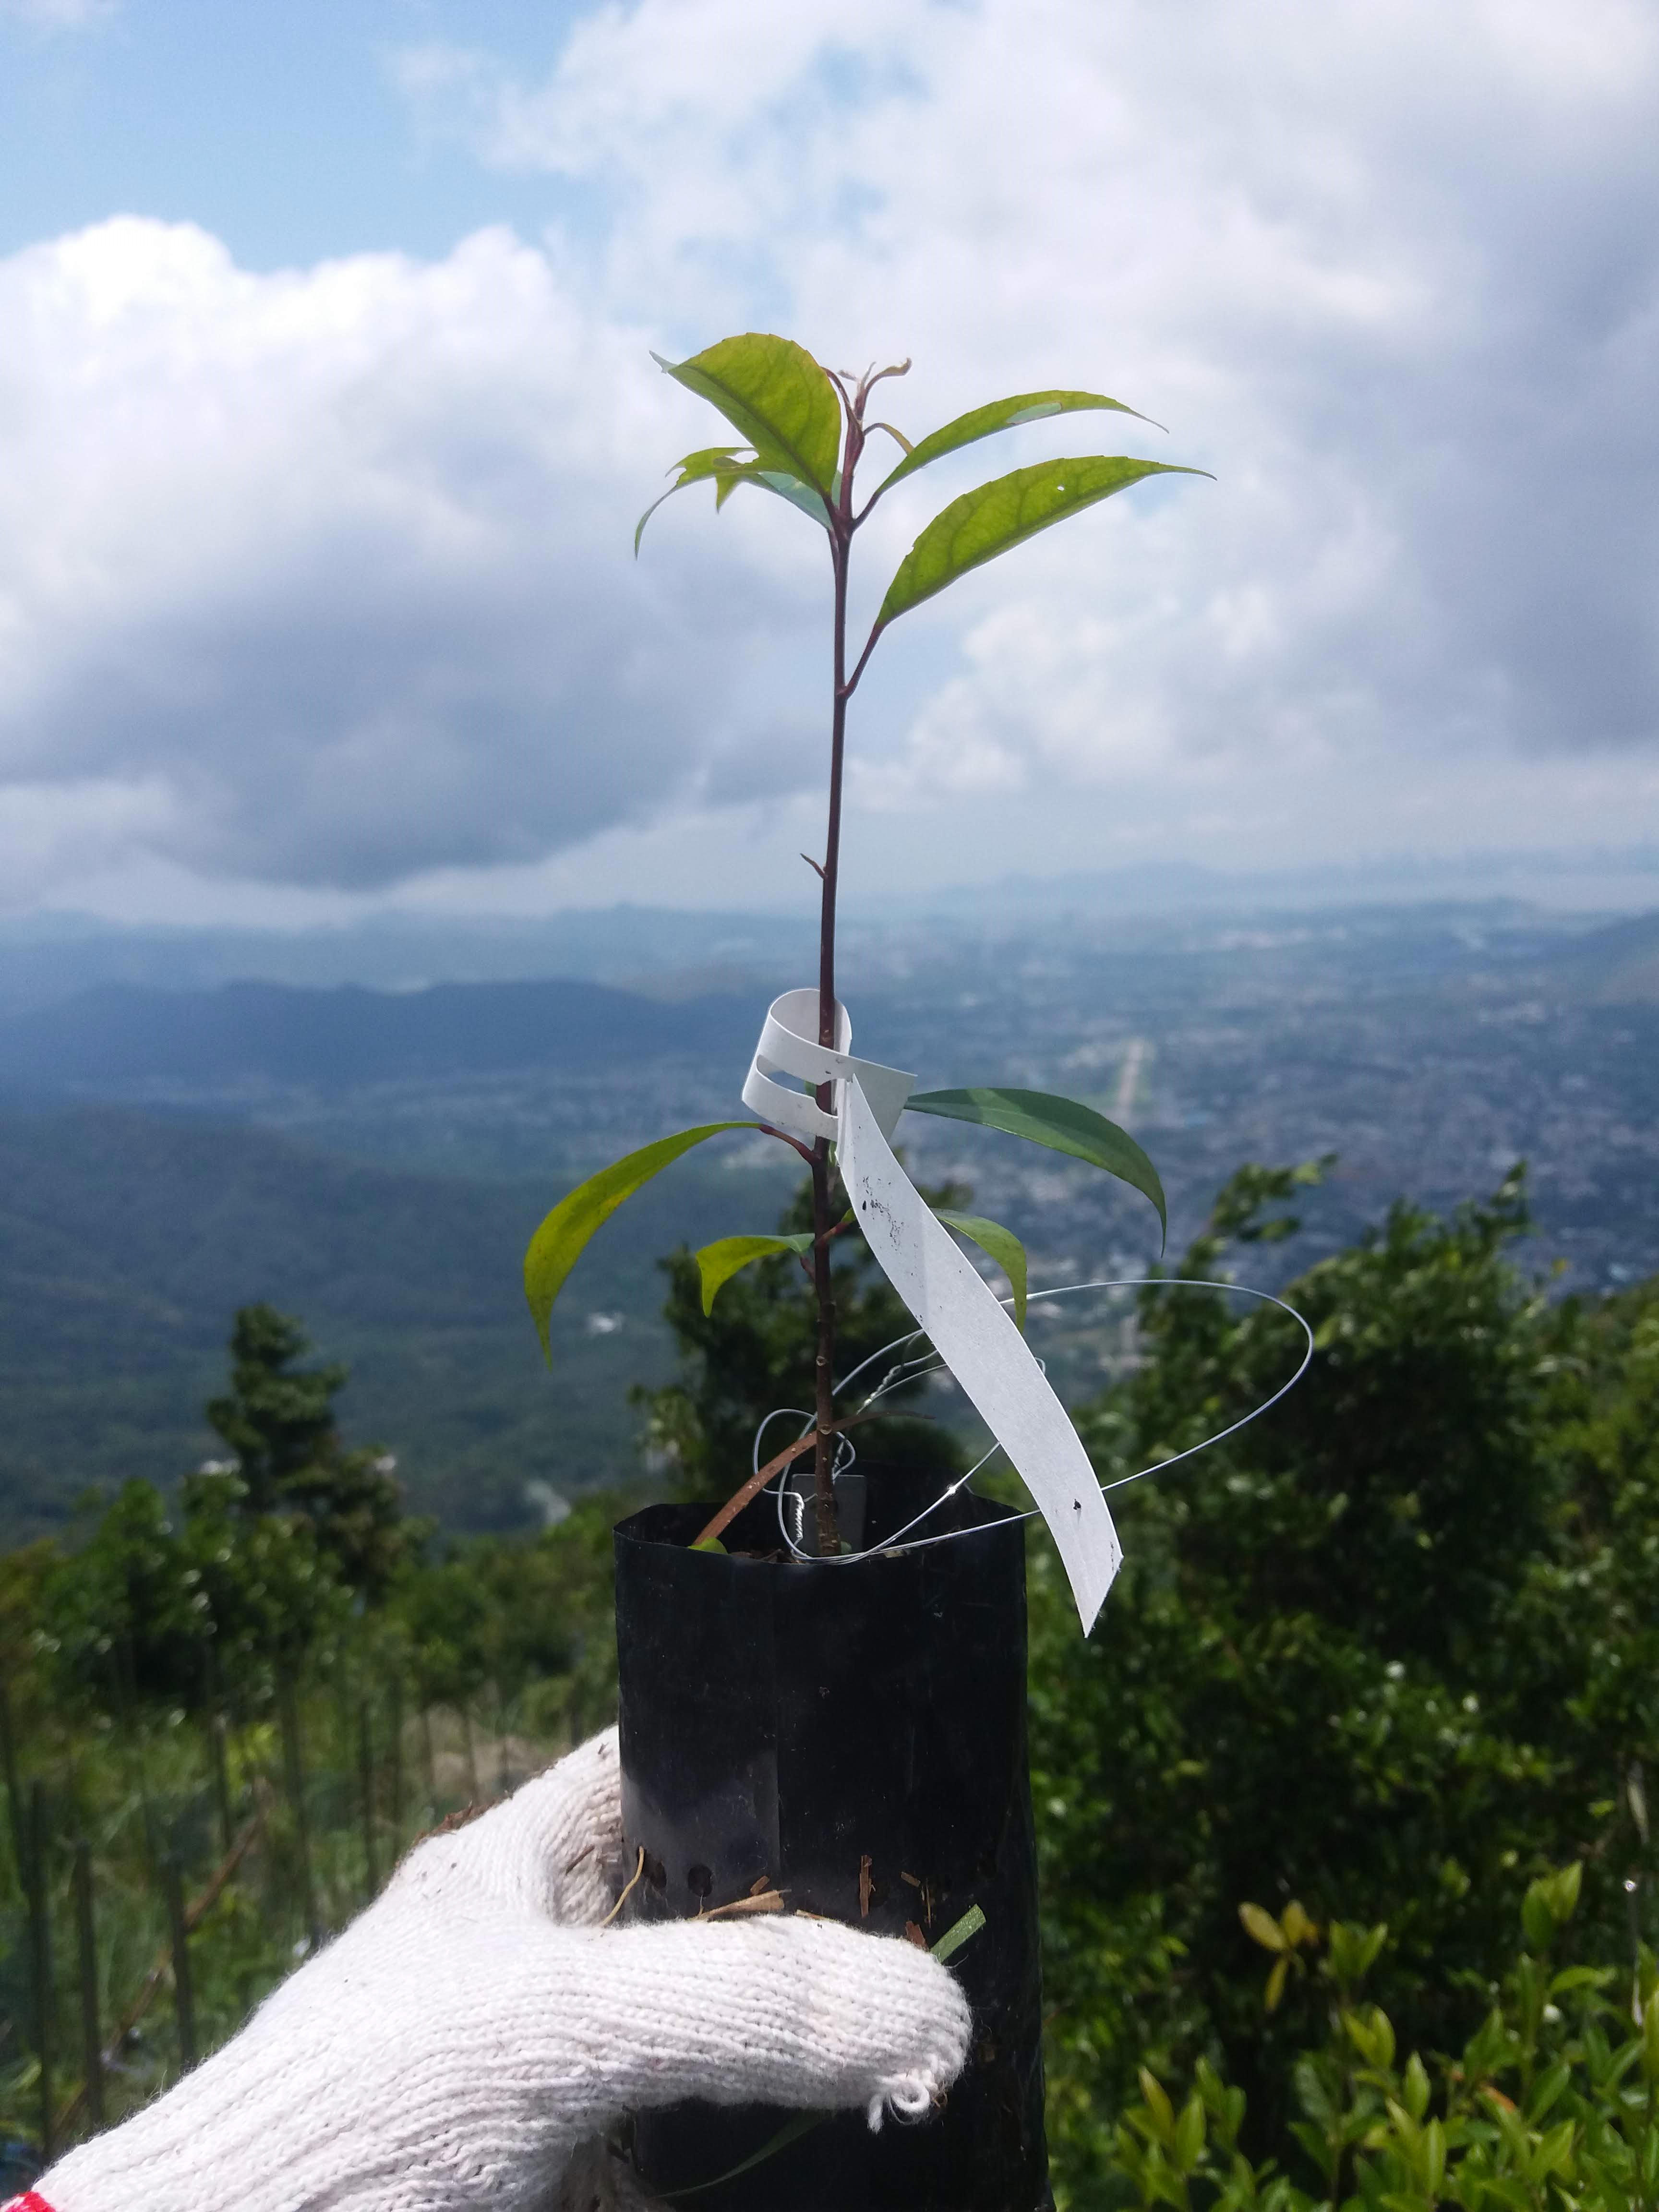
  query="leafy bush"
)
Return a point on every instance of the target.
[
  {"x": 1390, "y": 1652},
  {"x": 1553, "y": 2102}
]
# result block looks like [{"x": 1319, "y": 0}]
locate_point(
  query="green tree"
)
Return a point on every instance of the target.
[
  {"x": 279, "y": 1421},
  {"x": 755, "y": 1351},
  {"x": 1346, "y": 1661}
]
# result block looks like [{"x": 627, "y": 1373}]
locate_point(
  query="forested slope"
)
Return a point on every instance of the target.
[{"x": 127, "y": 1240}]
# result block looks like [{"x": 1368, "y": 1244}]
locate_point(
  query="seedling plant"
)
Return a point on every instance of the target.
[{"x": 805, "y": 431}]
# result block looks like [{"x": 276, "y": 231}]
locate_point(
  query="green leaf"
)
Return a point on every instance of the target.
[
  {"x": 1536, "y": 1919},
  {"x": 718, "y": 1262},
  {"x": 1563, "y": 1892},
  {"x": 1434, "y": 2158},
  {"x": 1000, "y": 415},
  {"x": 1189, "y": 2147},
  {"x": 787, "y": 487},
  {"x": 1414, "y": 2092},
  {"x": 1156, "y": 2097},
  {"x": 983, "y": 523},
  {"x": 1000, "y": 1244},
  {"x": 1063, "y": 1124},
  {"x": 775, "y": 393},
  {"x": 791, "y": 2132},
  {"x": 720, "y": 463},
  {"x": 1547, "y": 2091},
  {"x": 1298, "y": 1928},
  {"x": 1262, "y": 1927},
  {"x": 958, "y": 1933},
  {"x": 559, "y": 1242}
]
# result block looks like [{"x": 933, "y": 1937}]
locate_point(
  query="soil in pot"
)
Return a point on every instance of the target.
[{"x": 854, "y": 1735}]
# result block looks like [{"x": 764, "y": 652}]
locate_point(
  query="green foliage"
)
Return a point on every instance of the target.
[
  {"x": 203, "y": 1682},
  {"x": 985, "y": 422},
  {"x": 996, "y": 517},
  {"x": 1551, "y": 2105},
  {"x": 718, "y": 1262},
  {"x": 806, "y": 431},
  {"x": 559, "y": 1242},
  {"x": 234, "y": 1586},
  {"x": 1000, "y": 1244},
  {"x": 755, "y": 1350},
  {"x": 280, "y": 1424},
  {"x": 150, "y": 1610},
  {"x": 1387, "y": 1649},
  {"x": 1062, "y": 1124},
  {"x": 773, "y": 394},
  {"x": 1388, "y": 1658}
]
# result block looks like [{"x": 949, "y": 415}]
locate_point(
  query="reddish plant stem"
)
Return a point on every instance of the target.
[{"x": 841, "y": 540}]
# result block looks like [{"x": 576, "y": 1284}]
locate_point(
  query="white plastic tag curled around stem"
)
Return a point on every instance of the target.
[
  {"x": 788, "y": 1046},
  {"x": 969, "y": 1327}
]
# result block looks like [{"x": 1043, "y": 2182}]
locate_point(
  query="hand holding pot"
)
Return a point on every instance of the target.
[{"x": 462, "y": 2042}]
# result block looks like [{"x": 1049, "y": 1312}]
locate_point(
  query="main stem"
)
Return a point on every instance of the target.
[{"x": 823, "y": 1458}]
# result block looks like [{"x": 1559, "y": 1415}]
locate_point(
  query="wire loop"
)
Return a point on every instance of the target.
[{"x": 928, "y": 1362}]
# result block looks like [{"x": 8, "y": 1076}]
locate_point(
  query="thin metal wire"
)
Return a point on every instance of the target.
[{"x": 911, "y": 1369}]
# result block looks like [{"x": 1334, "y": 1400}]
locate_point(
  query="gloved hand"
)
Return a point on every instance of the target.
[{"x": 463, "y": 2042}]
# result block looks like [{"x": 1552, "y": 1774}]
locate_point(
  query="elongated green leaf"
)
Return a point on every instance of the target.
[
  {"x": 718, "y": 1262},
  {"x": 696, "y": 468},
  {"x": 775, "y": 480},
  {"x": 983, "y": 523},
  {"x": 791, "y": 2132},
  {"x": 1000, "y": 1244},
  {"x": 721, "y": 464},
  {"x": 1000, "y": 415},
  {"x": 775, "y": 393},
  {"x": 1062, "y": 1124},
  {"x": 559, "y": 1242},
  {"x": 960, "y": 1932}
]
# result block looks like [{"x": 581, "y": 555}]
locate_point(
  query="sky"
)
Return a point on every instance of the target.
[{"x": 328, "y": 408}]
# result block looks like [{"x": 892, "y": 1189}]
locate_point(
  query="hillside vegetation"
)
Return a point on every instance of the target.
[
  {"x": 1373, "y": 1703},
  {"x": 126, "y": 1238}
]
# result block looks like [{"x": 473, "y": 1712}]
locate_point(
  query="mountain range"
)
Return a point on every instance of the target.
[{"x": 120, "y": 1037}]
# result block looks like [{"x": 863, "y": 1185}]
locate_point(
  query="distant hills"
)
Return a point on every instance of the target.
[
  {"x": 1618, "y": 964},
  {"x": 1429, "y": 1048},
  {"x": 128, "y": 1239},
  {"x": 47, "y": 957},
  {"x": 119, "y": 1038}
]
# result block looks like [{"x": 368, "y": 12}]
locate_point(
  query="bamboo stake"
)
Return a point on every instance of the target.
[
  {"x": 40, "y": 1960},
  {"x": 471, "y": 1753},
  {"x": 194, "y": 1917},
  {"x": 183, "y": 1989},
  {"x": 366, "y": 1799},
  {"x": 295, "y": 1775},
  {"x": 214, "y": 1720},
  {"x": 87, "y": 1944},
  {"x": 13, "y": 1801},
  {"x": 395, "y": 1730}
]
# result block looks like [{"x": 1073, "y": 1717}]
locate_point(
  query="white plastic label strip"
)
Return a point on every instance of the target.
[
  {"x": 788, "y": 1046},
  {"x": 970, "y": 1328}
]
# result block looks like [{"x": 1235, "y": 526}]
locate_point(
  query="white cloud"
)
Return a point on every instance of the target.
[
  {"x": 59, "y": 15},
  {"x": 1394, "y": 274},
  {"x": 330, "y": 567},
  {"x": 338, "y": 563}
]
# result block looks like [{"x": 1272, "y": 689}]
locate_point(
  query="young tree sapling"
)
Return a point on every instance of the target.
[{"x": 806, "y": 430}]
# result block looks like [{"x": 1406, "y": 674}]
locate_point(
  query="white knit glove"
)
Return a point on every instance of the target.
[{"x": 462, "y": 2040}]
